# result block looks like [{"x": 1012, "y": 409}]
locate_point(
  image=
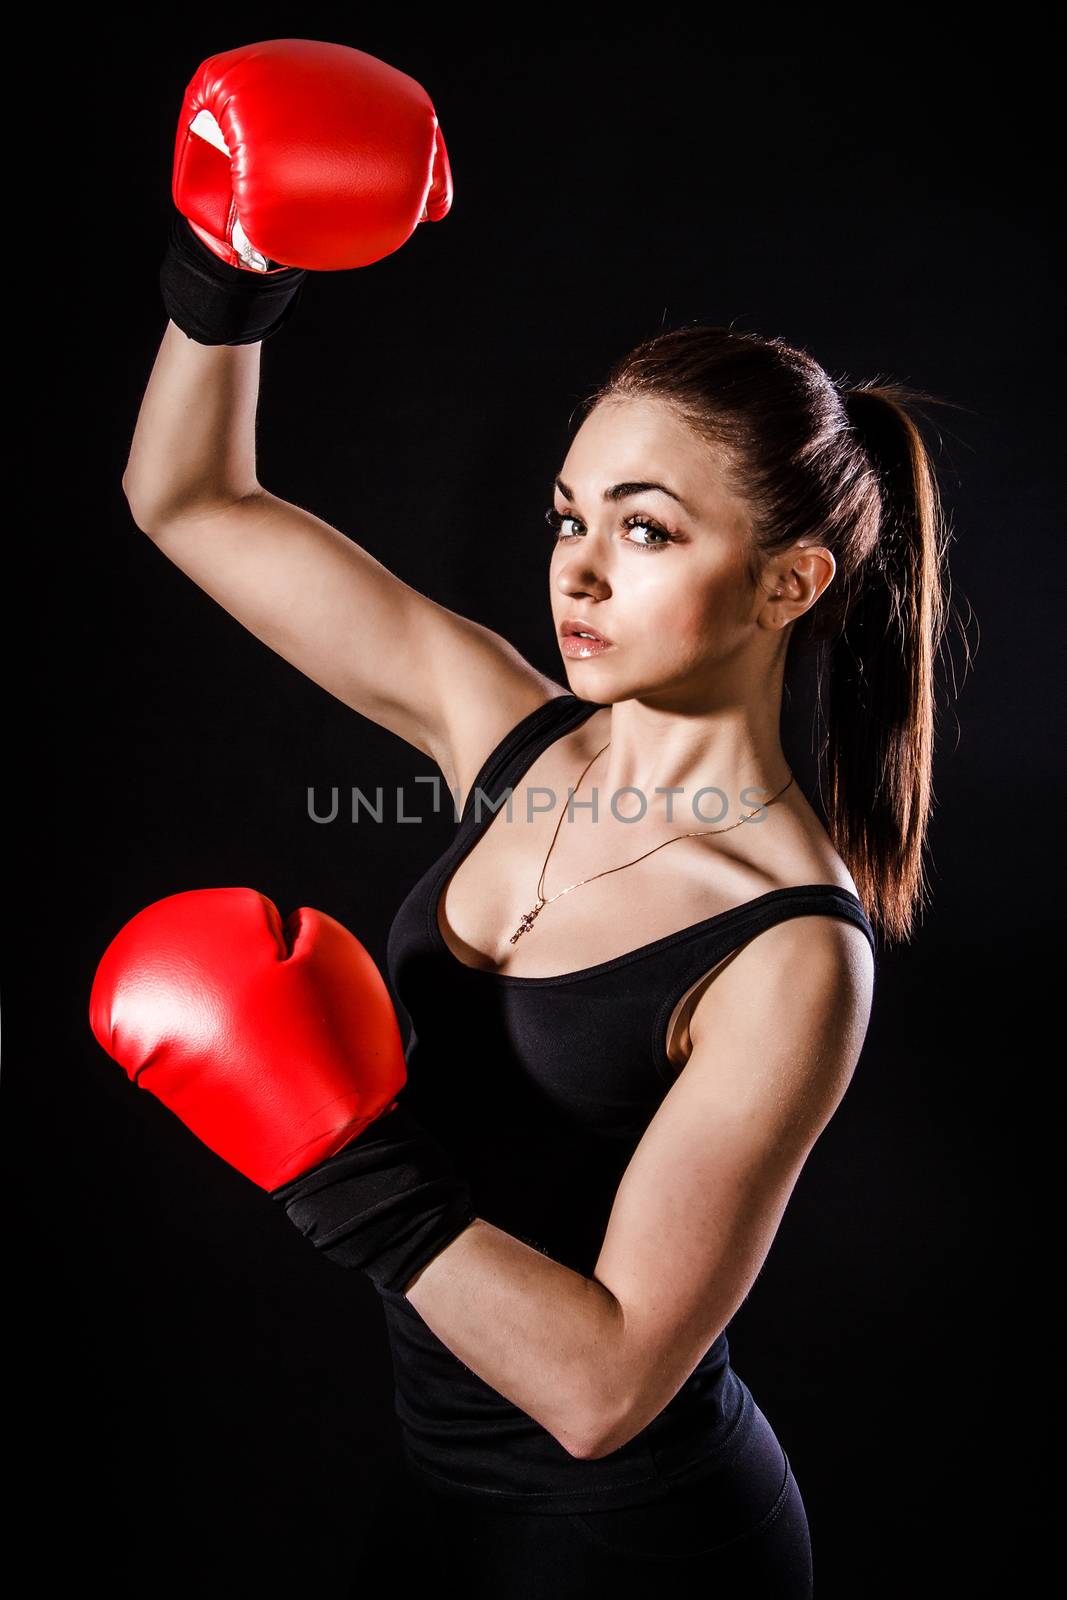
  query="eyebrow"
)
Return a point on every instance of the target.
[{"x": 624, "y": 491}]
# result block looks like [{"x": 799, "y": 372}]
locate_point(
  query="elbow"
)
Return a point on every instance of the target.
[
  {"x": 607, "y": 1403},
  {"x": 607, "y": 1441},
  {"x": 624, "y": 1413},
  {"x": 583, "y": 1437},
  {"x": 617, "y": 1409},
  {"x": 137, "y": 509},
  {"x": 604, "y": 1435},
  {"x": 582, "y": 1446}
]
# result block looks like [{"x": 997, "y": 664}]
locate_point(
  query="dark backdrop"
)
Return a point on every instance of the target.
[{"x": 207, "y": 1405}]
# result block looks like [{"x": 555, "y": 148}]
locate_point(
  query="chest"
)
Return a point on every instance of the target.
[{"x": 604, "y": 894}]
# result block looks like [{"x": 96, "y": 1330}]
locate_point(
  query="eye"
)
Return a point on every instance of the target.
[{"x": 556, "y": 519}]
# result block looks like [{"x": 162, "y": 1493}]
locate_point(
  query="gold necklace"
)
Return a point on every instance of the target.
[{"x": 531, "y": 916}]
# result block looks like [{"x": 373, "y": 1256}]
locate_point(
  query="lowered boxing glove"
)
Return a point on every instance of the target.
[
  {"x": 275, "y": 1043},
  {"x": 278, "y": 1046}
]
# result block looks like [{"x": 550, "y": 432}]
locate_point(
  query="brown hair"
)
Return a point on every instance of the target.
[{"x": 847, "y": 468}]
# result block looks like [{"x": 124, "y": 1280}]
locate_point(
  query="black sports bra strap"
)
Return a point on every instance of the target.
[{"x": 521, "y": 746}]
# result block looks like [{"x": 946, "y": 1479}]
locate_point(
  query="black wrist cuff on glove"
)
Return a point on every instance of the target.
[
  {"x": 386, "y": 1204},
  {"x": 216, "y": 303}
]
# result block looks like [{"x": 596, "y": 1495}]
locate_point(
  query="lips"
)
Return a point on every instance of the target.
[{"x": 575, "y": 625}]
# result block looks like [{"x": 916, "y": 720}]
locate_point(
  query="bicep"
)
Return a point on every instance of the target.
[
  {"x": 443, "y": 683},
  {"x": 775, "y": 1041}
]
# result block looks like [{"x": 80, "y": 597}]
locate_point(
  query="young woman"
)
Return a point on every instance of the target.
[{"x": 640, "y": 978}]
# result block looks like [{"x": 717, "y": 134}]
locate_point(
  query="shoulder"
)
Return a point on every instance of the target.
[{"x": 802, "y": 988}]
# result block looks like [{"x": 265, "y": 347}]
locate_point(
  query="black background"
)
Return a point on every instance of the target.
[{"x": 206, "y": 1404}]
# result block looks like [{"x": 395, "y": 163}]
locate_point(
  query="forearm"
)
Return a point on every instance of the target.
[
  {"x": 555, "y": 1343},
  {"x": 194, "y": 442},
  {"x": 548, "y": 1339}
]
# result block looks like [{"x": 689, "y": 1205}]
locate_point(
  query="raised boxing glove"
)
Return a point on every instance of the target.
[{"x": 307, "y": 154}]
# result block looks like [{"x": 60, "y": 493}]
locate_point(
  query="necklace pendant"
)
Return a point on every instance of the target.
[{"x": 527, "y": 922}]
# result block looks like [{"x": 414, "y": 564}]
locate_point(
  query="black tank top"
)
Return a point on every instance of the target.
[{"x": 541, "y": 1088}]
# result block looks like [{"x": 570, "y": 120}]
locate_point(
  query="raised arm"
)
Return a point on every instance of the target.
[{"x": 443, "y": 683}]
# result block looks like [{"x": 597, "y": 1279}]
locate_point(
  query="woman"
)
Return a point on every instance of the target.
[{"x": 628, "y": 1049}]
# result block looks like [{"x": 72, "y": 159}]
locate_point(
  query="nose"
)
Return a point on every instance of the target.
[{"x": 577, "y": 575}]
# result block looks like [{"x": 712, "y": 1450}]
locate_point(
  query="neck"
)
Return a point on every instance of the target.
[{"x": 734, "y": 749}]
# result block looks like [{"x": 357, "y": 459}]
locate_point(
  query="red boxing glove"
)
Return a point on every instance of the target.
[
  {"x": 276, "y": 1044},
  {"x": 307, "y": 153}
]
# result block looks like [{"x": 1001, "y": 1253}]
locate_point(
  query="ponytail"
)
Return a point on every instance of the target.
[{"x": 878, "y": 671}]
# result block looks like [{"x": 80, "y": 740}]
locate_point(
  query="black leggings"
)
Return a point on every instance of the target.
[{"x": 741, "y": 1530}]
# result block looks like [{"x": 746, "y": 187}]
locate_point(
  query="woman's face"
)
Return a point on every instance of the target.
[{"x": 664, "y": 579}]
